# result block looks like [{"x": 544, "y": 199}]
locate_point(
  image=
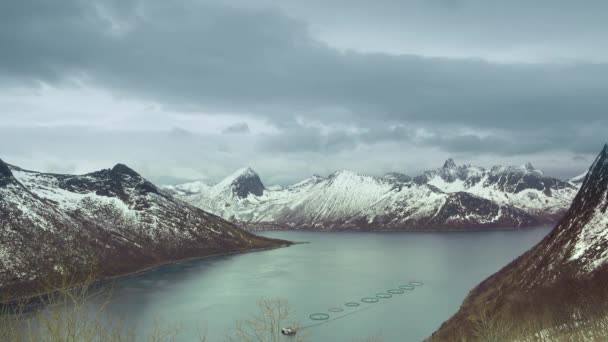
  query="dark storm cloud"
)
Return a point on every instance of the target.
[
  {"x": 237, "y": 57},
  {"x": 541, "y": 29}
]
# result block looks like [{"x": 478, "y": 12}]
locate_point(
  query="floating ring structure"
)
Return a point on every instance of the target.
[
  {"x": 407, "y": 287},
  {"x": 370, "y": 300},
  {"x": 319, "y": 317}
]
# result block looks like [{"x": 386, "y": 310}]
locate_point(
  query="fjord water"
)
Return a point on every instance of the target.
[{"x": 332, "y": 269}]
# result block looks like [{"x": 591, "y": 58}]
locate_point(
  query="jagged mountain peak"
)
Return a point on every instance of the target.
[
  {"x": 345, "y": 173},
  {"x": 5, "y": 171},
  {"x": 123, "y": 169},
  {"x": 312, "y": 180},
  {"x": 527, "y": 168},
  {"x": 596, "y": 179},
  {"x": 449, "y": 164},
  {"x": 243, "y": 182},
  {"x": 244, "y": 172},
  {"x": 349, "y": 177},
  {"x": 601, "y": 159},
  {"x": 6, "y": 176}
]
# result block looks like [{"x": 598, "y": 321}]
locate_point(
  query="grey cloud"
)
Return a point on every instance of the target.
[
  {"x": 237, "y": 128},
  {"x": 224, "y": 58},
  {"x": 293, "y": 139},
  {"x": 579, "y": 158},
  {"x": 180, "y": 133},
  {"x": 241, "y": 58},
  {"x": 162, "y": 158},
  {"x": 545, "y": 29}
]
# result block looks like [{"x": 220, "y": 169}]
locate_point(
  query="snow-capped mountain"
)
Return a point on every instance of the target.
[
  {"x": 347, "y": 200},
  {"x": 187, "y": 188},
  {"x": 522, "y": 187},
  {"x": 113, "y": 221},
  {"x": 571, "y": 260},
  {"x": 578, "y": 180}
]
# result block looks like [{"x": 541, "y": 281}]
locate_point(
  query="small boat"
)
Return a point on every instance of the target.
[{"x": 288, "y": 331}]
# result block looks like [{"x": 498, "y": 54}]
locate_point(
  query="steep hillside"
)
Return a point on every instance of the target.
[
  {"x": 111, "y": 222},
  {"x": 559, "y": 280}
]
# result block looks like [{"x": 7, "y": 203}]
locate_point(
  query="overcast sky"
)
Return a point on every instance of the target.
[{"x": 194, "y": 89}]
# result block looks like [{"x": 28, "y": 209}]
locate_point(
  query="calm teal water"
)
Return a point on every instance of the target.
[{"x": 332, "y": 269}]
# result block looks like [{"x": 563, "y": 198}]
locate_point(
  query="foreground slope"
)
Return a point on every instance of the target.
[
  {"x": 346, "y": 200},
  {"x": 110, "y": 222},
  {"x": 559, "y": 280}
]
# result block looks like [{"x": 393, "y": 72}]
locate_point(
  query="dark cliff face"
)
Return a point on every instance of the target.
[
  {"x": 450, "y": 172},
  {"x": 515, "y": 180},
  {"x": 248, "y": 183},
  {"x": 122, "y": 170},
  {"x": 120, "y": 181},
  {"x": 449, "y": 164},
  {"x": 567, "y": 268},
  {"x": 463, "y": 210},
  {"x": 6, "y": 176},
  {"x": 508, "y": 179}
]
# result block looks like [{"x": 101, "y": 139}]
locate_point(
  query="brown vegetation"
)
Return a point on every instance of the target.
[{"x": 568, "y": 310}]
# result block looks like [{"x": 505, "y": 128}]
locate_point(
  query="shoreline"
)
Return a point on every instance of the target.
[
  {"x": 402, "y": 231},
  {"x": 150, "y": 268},
  {"x": 180, "y": 261}
]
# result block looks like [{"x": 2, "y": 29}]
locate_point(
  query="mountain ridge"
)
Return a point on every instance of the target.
[
  {"x": 113, "y": 220},
  {"x": 518, "y": 196},
  {"x": 557, "y": 275}
]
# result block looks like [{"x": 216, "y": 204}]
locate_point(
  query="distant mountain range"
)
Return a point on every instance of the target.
[
  {"x": 453, "y": 197},
  {"x": 560, "y": 280},
  {"x": 110, "y": 222}
]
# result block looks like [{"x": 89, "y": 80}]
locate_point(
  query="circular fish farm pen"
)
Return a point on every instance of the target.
[
  {"x": 407, "y": 287},
  {"x": 370, "y": 300},
  {"x": 383, "y": 295},
  {"x": 319, "y": 316},
  {"x": 355, "y": 307}
]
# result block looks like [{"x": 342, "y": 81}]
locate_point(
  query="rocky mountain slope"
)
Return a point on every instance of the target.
[
  {"x": 452, "y": 197},
  {"x": 564, "y": 275},
  {"x": 110, "y": 222},
  {"x": 522, "y": 187}
]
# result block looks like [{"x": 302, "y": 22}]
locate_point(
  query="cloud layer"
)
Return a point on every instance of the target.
[{"x": 255, "y": 80}]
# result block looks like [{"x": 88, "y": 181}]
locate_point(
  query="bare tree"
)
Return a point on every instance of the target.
[{"x": 265, "y": 326}]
